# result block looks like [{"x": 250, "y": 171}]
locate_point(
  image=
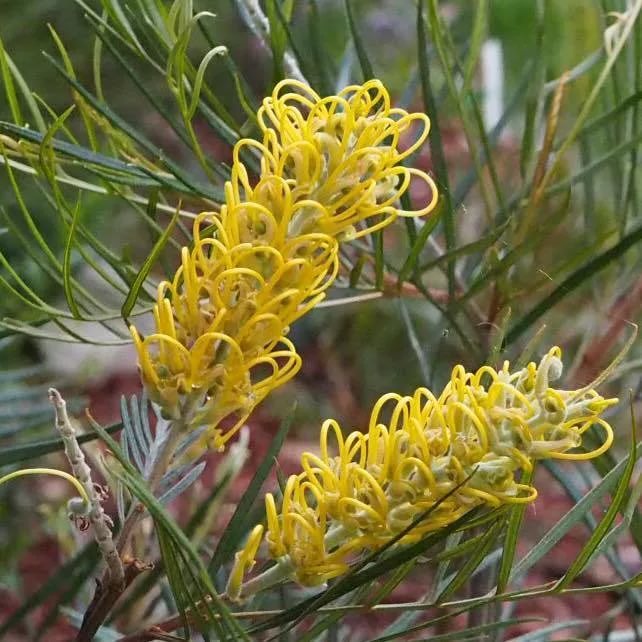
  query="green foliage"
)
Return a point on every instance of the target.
[{"x": 535, "y": 241}]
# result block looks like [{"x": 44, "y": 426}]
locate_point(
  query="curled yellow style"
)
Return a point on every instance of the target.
[
  {"x": 344, "y": 152},
  {"x": 221, "y": 330},
  {"x": 330, "y": 170},
  {"x": 462, "y": 448}
]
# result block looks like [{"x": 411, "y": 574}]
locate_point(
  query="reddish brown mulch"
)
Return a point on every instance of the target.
[{"x": 44, "y": 555}]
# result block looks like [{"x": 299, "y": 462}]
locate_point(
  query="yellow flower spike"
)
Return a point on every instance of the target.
[
  {"x": 243, "y": 562},
  {"x": 550, "y": 369},
  {"x": 235, "y": 394},
  {"x": 469, "y": 444},
  {"x": 319, "y": 473},
  {"x": 530, "y": 495},
  {"x": 211, "y": 223},
  {"x": 330, "y": 170},
  {"x": 189, "y": 352}
]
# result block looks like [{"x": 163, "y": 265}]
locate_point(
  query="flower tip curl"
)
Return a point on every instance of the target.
[{"x": 243, "y": 563}]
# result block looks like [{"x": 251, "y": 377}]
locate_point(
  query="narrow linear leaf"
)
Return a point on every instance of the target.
[
  {"x": 414, "y": 341},
  {"x": 447, "y": 213},
  {"x": 452, "y": 550},
  {"x": 186, "y": 181},
  {"x": 321, "y": 60},
  {"x": 473, "y": 247},
  {"x": 391, "y": 583},
  {"x": 377, "y": 240},
  {"x": 497, "y": 269},
  {"x": 607, "y": 545},
  {"x": 330, "y": 622},
  {"x": 473, "y": 633},
  {"x": 130, "y": 443},
  {"x": 515, "y": 519},
  {"x": 572, "y": 517},
  {"x": 182, "y": 484},
  {"x": 73, "y": 151},
  {"x": 193, "y": 564},
  {"x": 191, "y": 531},
  {"x": 355, "y": 272},
  {"x": 66, "y": 262},
  {"x": 17, "y": 454},
  {"x": 480, "y": 27},
  {"x": 605, "y": 161},
  {"x": 619, "y": 497},
  {"x": 533, "y": 90},
  {"x": 420, "y": 242},
  {"x": 9, "y": 87},
  {"x": 174, "y": 574},
  {"x": 575, "y": 493},
  {"x": 362, "y": 54},
  {"x": 278, "y": 38},
  {"x": 102, "y": 38},
  {"x": 572, "y": 282},
  {"x": 607, "y": 118},
  {"x": 238, "y": 524},
  {"x": 463, "y": 575},
  {"x": 143, "y": 273},
  {"x": 544, "y": 634}
]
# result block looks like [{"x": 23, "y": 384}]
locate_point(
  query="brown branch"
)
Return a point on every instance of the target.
[
  {"x": 105, "y": 597},
  {"x": 107, "y": 594},
  {"x": 154, "y": 632},
  {"x": 392, "y": 288}
]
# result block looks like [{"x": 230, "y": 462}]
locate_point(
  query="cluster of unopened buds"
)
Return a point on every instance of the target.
[
  {"x": 433, "y": 456},
  {"x": 330, "y": 170}
]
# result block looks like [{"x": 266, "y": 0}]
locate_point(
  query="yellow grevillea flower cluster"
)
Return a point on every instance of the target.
[
  {"x": 362, "y": 490},
  {"x": 329, "y": 170}
]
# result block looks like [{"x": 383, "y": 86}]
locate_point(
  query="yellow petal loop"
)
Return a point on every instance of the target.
[
  {"x": 330, "y": 170},
  {"x": 467, "y": 445},
  {"x": 344, "y": 152},
  {"x": 243, "y": 562}
]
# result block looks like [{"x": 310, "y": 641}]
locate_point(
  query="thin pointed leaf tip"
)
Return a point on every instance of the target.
[
  {"x": 330, "y": 171},
  {"x": 437, "y": 457}
]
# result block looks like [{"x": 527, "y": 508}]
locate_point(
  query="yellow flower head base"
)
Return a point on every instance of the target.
[
  {"x": 466, "y": 446},
  {"x": 330, "y": 170}
]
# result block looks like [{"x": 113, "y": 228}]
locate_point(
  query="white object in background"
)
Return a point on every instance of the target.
[{"x": 492, "y": 69}]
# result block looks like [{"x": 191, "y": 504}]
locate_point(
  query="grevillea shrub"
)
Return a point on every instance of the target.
[{"x": 381, "y": 212}]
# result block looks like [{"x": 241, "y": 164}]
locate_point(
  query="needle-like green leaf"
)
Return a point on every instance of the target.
[
  {"x": 239, "y": 523},
  {"x": 143, "y": 273}
]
